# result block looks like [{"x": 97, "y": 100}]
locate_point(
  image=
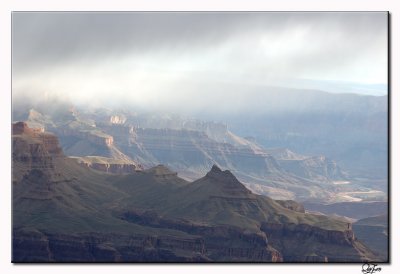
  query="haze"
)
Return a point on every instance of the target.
[{"x": 194, "y": 61}]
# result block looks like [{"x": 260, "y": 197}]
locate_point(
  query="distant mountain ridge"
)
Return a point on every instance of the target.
[{"x": 350, "y": 128}]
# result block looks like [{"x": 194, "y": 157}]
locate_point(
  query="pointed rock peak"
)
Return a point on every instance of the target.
[
  {"x": 225, "y": 179},
  {"x": 217, "y": 173},
  {"x": 228, "y": 177},
  {"x": 215, "y": 168}
]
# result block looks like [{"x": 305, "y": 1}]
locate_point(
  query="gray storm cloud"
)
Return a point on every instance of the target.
[{"x": 193, "y": 58}]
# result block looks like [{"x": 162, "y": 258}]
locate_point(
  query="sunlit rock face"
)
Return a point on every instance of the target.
[
  {"x": 117, "y": 119},
  {"x": 34, "y": 147}
]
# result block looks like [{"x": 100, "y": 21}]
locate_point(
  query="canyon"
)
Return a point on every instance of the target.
[
  {"x": 190, "y": 147},
  {"x": 66, "y": 212}
]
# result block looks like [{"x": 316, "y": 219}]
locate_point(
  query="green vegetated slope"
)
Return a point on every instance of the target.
[
  {"x": 217, "y": 198},
  {"x": 77, "y": 202}
]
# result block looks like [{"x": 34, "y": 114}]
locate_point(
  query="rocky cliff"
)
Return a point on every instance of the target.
[
  {"x": 32, "y": 149},
  {"x": 122, "y": 134},
  {"x": 37, "y": 135},
  {"x": 314, "y": 167},
  {"x": 36, "y": 246},
  {"x": 109, "y": 165},
  {"x": 320, "y": 244},
  {"x": 217, "y": 240},
  {"x": 193, "y": 151},
  {"x": 94, "y": 136}
]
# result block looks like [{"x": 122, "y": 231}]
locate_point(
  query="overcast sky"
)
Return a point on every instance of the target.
[{"x": 174, "y": 59}]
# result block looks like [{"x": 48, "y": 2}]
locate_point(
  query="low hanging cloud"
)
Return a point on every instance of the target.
[{"x": 192, "y": 60}]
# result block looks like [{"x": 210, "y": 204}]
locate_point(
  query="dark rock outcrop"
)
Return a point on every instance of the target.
[
  {"x": 35, "y": 246},
  {"x": 221, "y": 243},
  {"x": 302, "y": 242}
]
